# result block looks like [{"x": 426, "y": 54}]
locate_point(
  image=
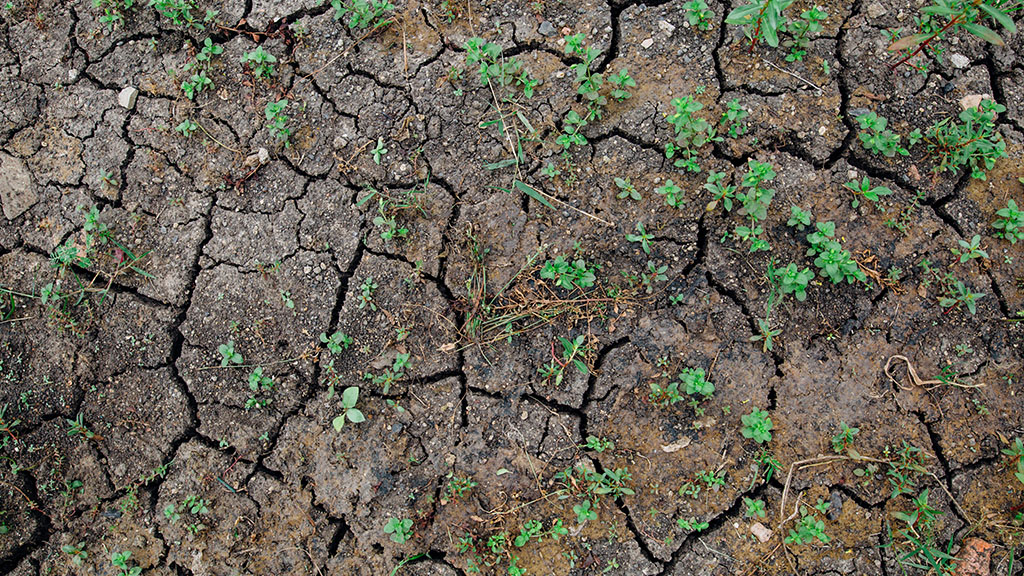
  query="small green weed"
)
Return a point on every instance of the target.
[
  {"x": 278, "y": 121},
  {"x": 757, "y": 425},
  {"x": 363, "y": 13},
  {"x": 642, "y": 237},
  {"x": 865, "y": 190},
  {"x": 400, "y": 530},
  {"x": 259, "y": 62},
  {"x": 569, "y": 274},
  {"x": 349, "y": 397},
  {"x": 1010, "y": 224},
  {"x": 877, "y": 138},
  {"x": 699, "y": 15}
]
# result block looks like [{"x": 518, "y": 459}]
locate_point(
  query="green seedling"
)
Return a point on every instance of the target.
[
  {"x": 114, "y": 12},
  {"x": 755, "y": 508},
  {"x": 970, "y": 250},
  {"x": 571, "y": 127},
  {"x": 363, "y": 14},
  {"x": 843, "y": 440},
  {"x": 621, "y": 82},
  {"x": 808, "y": 529},
  {"x": 349, "y": 397},
  {"x": 865, "y": 190},
  {"x": 691, "y": 133},
  {"x": 695, "y": 383},
  {"x": 809, "y": 22},
  {"x": 652, "y": 274},
  {"x": 120, "y": 561},
  {"x": 589, "y": 82},
  {"x": 366, "y": 290},
  {"x": 598, "y": 444},
  {"x": 260, "y": 62},
  {"x": 692, "y": 525},
  {"x": 877, "y": 138},
  {"x": 493, "y": 67},
  {"x": 673, "y": 194},
  {"x": 584, "y": 511},
  {"x": 957, "y": 294},
  {"x": 755, "y": 197},
  {"x": 76, "y": 427},
  {"x": 393, "y": 374},
  {"x": 733, "y": 118},
  {"x": 187, "y": 128},
  {"x": 720, "y": 191},
  {"x": 278, "y": 121},
  {"x": 228, "y": 354},
  {"x": 642, "y": 237},
  {"x": 336, "y": 343},
  {"x": 792, "y": 280},
  {"x": 973, "y": 143},
  {"x": 1010, "y": 224},
  {"x": 76, "y": 553},
  {"x": 569, "y": 275},
  {"x": 798, "y": 218},
  {"x": 179, "y": 12},
  {"x": 458, "y": 486},
  {"x": 379, "y": 151},
  {"x": 258, "y": 382},
  {"x": 834, "y": 262},
  {"x": 400, "y": 530},
  {"x": 626, "y": 189},
  {"x": 699, "y": 15},
  {"x": 761, "y": 20},
  {"x": 757, "y": 425}
]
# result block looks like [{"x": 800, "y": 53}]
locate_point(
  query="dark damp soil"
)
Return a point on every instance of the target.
[{"x": 189, "y": 296}]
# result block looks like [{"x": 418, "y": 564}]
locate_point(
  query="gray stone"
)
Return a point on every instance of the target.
[
  {"x": 666, "y": 26},
  {"x": 16, "y": 191},
  {"x": 960, "y": 61},
  {"x": 546, "y": 29},
  {"x": 647, "y": 43},
  {"x": 876, "y": 10},
  {"x": 126, "y": 98}
]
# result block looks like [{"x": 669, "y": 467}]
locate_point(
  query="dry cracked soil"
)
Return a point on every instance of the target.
[{"x": 350, "y": 288}]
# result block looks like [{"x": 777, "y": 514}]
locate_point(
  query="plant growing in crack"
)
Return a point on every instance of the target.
[
  {"x": 863, "y": 189},
  {"x": 574, "y": 352},
  {"x": 337, "y": 342},
  {"x": 691, "y": 133}
]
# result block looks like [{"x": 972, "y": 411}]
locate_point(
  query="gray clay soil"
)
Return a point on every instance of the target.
[{"x": 173, "y": 270}]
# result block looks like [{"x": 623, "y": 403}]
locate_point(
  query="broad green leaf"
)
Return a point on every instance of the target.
[
  {"x": 985, "y": 33},
  {"x": 338, "y": 423},
  {"x": 350, "y": 396},
  {"x": 999, "y": 16},
  {"x": 532, "y": 193},
  {"x": 502, "y": 164},
  {"x": 355, "y": 416},
  {"x": 907, "y": 42}
]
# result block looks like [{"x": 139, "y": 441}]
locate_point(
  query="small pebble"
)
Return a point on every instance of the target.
[
  {"x": 126, "y": 97},
  {"x": 647, "y": 43}
]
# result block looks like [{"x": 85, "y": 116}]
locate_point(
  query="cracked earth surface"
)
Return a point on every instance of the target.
[{"x": 270, "y": 252}]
